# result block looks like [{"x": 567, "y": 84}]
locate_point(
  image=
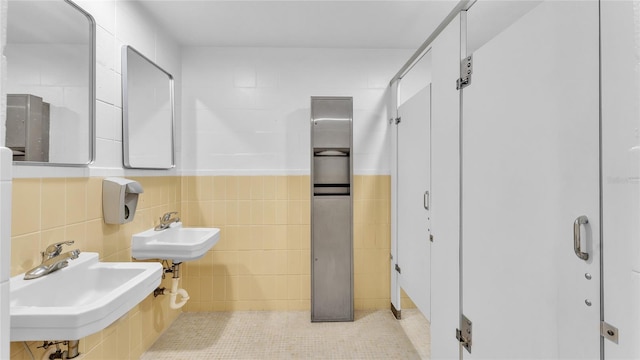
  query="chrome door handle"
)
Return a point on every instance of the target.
[
  {"x": 581, "y": 220},
  {"x": 426, "y": 200}
]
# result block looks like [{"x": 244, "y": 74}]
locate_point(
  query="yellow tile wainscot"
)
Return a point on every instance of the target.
[{"x": 262, "y": 261}]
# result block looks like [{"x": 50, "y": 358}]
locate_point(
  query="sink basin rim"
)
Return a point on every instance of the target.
[
  {"x": 86, "y": 260},
  {"x": 151, "y": 244},
  {"x": 32, "y": 323}
]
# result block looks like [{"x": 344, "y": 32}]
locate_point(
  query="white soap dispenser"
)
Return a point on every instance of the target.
[{"x": 119, "y": 199}]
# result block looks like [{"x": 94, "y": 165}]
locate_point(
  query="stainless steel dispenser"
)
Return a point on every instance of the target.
[
  {"x": 331, "y": 209},
  {"x": 27, "y": 125}
]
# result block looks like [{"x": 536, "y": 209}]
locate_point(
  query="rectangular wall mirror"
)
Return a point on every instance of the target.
[
  {"x": 147, "y": 112},
  {"x": 50, "y": 83}
]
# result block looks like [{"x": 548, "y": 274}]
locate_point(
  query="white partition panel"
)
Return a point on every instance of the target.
[
  {"x": 414, "y": 186},
  {"x": 445, "y": 188},
  {"x": 530, "y": 169},
  {"x": 392, "y": 114},
  {"x": 621, "y": 174},
  {"x": 416, "y": 79}
]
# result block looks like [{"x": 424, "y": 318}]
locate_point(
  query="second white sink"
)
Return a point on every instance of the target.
[{"x": 176, "y": 243}]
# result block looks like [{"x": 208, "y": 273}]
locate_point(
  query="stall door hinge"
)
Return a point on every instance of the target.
[
  {"x": 464, "y": 334},
  {"x": 466, "y": 68},
  {"x": 431, "y": 238},
  {"x": 395, "y": 120},
  {"x": 609, "y": 332},
  {"x": 398, "y": 269}
]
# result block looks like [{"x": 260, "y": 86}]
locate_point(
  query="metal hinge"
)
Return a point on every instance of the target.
[
  {"x": 398, "y": 119},
  {"x": 398, "y": 269},
  {"x": 431, "y": 238},
  {"x": 464, "y": 334},
  {"x": 609, "y": 332},
  {"x": 466, "y": 69}
]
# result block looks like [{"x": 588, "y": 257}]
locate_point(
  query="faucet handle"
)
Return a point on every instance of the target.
[
  {"x": 167, "y": 216},
  {"x": 54, "y": 250}
]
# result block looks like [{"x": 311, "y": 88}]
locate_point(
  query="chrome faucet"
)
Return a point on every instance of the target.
[
  {"x": 166, "y": 220},
  {"x": 54, "y": 250},
  {"x": 52, "y": 260}
]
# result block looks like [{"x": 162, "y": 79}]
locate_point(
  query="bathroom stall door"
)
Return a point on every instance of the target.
[
  {"x": 414, "y": 152},
  {"x": 530, "y": 182},
  {"x": 621, "y": 169}
]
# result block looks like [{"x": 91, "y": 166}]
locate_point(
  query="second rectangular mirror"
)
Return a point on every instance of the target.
[{"x": 147, "y": 113}]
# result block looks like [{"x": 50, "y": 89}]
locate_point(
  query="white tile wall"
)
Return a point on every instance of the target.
[
  {"x": 246, "y": 110},
  {"x": 103, "y": 12},
  {"x": 117, "y": 23},
  {"x": 105, "y": 118},
  {"x": 131, "y": 31},
  {"x": 105, "y": 47}
]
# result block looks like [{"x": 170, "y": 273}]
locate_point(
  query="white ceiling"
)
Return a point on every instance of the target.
[{"x": 311, "y": 24}]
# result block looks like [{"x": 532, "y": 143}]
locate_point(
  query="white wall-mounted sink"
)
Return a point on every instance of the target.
[
  {"x": 175, "y": 243},
  {"x": 79, "y": 300}
]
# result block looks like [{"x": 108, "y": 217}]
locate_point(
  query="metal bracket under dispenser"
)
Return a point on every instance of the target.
[{"x": 119, "y": 199}]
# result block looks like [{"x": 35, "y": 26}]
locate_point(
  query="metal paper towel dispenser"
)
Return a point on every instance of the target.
[
  {"x": 331, "y": 123},
  {"x": 331, "y": 209},
  {"x": 331, "y": 168}
]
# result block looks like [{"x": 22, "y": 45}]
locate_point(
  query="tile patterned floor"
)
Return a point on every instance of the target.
[
  {"x": 291, "y": 335},
  {"x": 418, "y": 330}
]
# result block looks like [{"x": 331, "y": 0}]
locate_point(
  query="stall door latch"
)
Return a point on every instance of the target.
[{"x": 464, "y": 334}]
